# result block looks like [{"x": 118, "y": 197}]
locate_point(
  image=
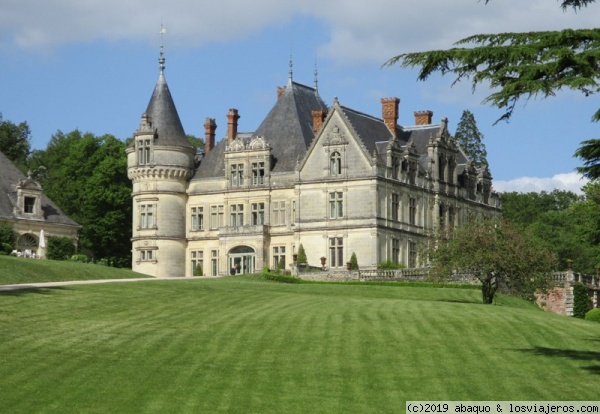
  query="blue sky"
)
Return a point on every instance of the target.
[{"x": 92, "y": 66}]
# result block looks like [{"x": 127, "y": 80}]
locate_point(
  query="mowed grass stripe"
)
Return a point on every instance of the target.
[{"x": 245, "y": 345}]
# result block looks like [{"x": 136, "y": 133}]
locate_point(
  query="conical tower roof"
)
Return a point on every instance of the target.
[{"x": 163, "y": 115}]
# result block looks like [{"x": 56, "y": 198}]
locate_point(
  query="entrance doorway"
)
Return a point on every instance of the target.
[{"x": 242, "y": 260}]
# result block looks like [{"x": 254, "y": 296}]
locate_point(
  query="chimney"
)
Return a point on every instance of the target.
[
  {"x": 423, "y": 117},
  {"x": 232, "y": 118},
  {"x": 209, "y": 134},
  {"x": 389, "y": 111},
  {"x": 280, "y": 91},
  {"x": 318, "y": 118}
]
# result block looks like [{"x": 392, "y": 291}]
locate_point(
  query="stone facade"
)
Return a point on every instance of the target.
[{"x": 331, "y": 178}]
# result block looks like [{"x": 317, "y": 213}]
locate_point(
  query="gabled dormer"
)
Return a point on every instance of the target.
[{"x": 29, "y": 199}]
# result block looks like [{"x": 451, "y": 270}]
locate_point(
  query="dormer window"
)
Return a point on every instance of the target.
[
  {"x": 29, "y": 205},
  {"x": 335, "y": 164},
  {"x": 144, "y": 147}
]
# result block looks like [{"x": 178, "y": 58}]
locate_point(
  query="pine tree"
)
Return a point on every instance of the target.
[{"x": 470, "y": 139}]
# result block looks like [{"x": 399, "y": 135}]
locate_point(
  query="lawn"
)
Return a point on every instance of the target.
[
  {"x": 16, "y": 270},
  {"x": 247, "y": 345}
]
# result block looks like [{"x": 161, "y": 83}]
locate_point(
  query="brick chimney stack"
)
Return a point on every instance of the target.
[
  {"x": 232, "y": 125},
  {"x": 210, "y": 127},
  {"x": 318, "y": 118},
  {"x": 389, "y": 111},
  {"x": 423, "y": 117}
]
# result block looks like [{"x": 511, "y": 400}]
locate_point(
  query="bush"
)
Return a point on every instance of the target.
[
  {"x": 301, "y": 254},
  {"x": 581, "y": 300},
  {"x": 593, "y": 315},
  {"x": 81, "y": 258},
  {"x": 7, "y": 238},
  {"x": 60, "y": 248},
  {"x": 388, "y": 264},
  {"x": 353, "y": 262},
  {"x": 198, "y": 271}
]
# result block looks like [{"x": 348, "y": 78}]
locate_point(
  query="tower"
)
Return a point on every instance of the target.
[{"x": 160, "y": 161}]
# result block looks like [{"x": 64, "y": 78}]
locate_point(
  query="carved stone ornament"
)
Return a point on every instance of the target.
[{"x": 335, "y": 137}]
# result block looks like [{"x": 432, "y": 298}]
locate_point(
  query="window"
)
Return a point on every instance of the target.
[
  {"x": 335, "y": 164},
  {"x": 396, "y": 250},
  {"x": 293, "y": 218},
  {"x": 237, "y": 175},
  {"x": 442, "y": 168},
  {"x": 144, "y": 151},
  {"x": 197, "y": 263},
  {"x": 258, "y": 214},
  {"x": 216, "y": 216},
  {"x": 412, "y": 254},
  {"x": 278, "y": 218},
  {"x": 336, "y": 252},
  {"x": 412, "y": 211},
  {"x": 451, "y": 216},
  {"x": 197, "y": 218},
  {"x": 146, "y": 255},
  {"x": 279, "y": 257},
  {"x": 395, "y": 167},
  {"x": 214, "y": 262},
  {"x": 147, "y": 216},
  {"x": 442, "y": 213},
  {"x": 336, "y": 205},
  {"x": 258, "y": 173},
  {"x": 29, "y": 204},
  {"x": 236, "y": 215},
  {"x": 395, "y": 209}
]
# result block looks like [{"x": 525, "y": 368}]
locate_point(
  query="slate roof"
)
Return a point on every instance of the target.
[
  {"x": 11, "y": 175},
  {"x": 287, "y": 129}
]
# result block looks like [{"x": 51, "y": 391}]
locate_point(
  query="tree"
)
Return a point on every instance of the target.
[
  {"x": 86, "y": 176},
  {"x": 14, "y": 141},
  {"x": 499, "y": 255},
  {"x": 301, "y": 254},
  {"x": 521, "y": 65},
  {"x": 589, "y": 152},
  {"x": 470, "y": 139},
  {"x": 7, "y": 237}
]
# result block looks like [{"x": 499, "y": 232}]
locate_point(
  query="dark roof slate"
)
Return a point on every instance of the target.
[{"x": 10, "y": 175}]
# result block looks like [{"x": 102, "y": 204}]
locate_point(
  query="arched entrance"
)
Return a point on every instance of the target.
[
  {"x": 27, "y": 244},
  {"x": 242, "y": 259}
]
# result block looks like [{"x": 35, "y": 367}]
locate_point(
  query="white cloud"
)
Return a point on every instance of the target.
[{"x": 568, "y": 182}]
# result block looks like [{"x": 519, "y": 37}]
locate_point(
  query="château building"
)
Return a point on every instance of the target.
[
  {"x": 334, "y": 179},
  {"x": 32, "y": 215}
]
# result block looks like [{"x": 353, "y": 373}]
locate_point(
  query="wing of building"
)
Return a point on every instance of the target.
[
  {"x": 331, "y": 178},
  {"x": 24, "y": 205}
]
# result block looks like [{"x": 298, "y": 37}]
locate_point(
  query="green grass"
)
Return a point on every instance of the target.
[
  {"x": 247, "y": 345},
  {"x": 16, "y": 270}
]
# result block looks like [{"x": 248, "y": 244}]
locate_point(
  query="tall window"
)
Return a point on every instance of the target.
[
  {"x": 335, "y": 164},
  {"x": 236, "y": 215},
  {"x": 412, "y": 211},
  {"x": 258, "y": 214},
  {"x": 279, "y": 257},
  {"x": 336, "y": 251},
  {"x": 336, "y": 205},
  {"x": 395, "y": 208},
  {"x": 395, "y": 167},
  {"x": 278, "y": 217},
  {"x": 258, "y": 173},
  {"x": 29, "y": 204},
  {"x": 214, "y": 262},
  {"x": 237, "y": 175},
  {"x": 147, "y": 216},
  {"x": 197, "y": 218},
  {"x": 396, "y": 250},
  {"x": 197, "y": 263},
  {"x": 216, "y": 216},
  {"x": 144, "y": 151},
  {"x": 412, "y": 254}
]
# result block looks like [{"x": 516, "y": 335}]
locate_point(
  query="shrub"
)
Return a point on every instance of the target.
[
  {"x": 581, "y": 300},
  {"x": 301, "y": 254},
  {"x": 281, "y": 278},
  {"x": 81, "y": 258},
  {"x": 353, "y": 262},
  {"x": 60, "y": 248},
  {"x": 7, "y": 238},
  {"x": 198, "y": 271},
  {"x": 388, "y": 264},
  {"x": 593, "y": 315}
]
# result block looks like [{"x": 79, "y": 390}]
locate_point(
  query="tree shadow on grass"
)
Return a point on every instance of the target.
[
  {"x": 30, "y": 290},
  {"x": 574, "y": 354}
]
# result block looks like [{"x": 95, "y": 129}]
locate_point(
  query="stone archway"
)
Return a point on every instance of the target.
[
  {"x": 242, "y": 259},
  {"x": 27, "y": 244}
]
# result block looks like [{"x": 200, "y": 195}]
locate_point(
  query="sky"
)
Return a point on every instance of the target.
[{"x": 92, "y": 65}]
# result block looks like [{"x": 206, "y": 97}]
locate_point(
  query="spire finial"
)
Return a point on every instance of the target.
[
  {"x": 161, "y": 59},
  {"x": 316, "y": 77},
  {"x": 291, "y": 72}
]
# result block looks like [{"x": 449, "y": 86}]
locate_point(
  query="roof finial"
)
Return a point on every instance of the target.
[
  {"x": 316, "y": 77},
  {"x": 161, "y": 59},
  {"x": 291, "y": 72}
]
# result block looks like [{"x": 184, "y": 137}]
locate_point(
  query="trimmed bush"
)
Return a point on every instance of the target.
[
  {"x": 388, "y": 264},
  {"x": 301, "y": 254},
  {"x": 81, "y": 258},
  {"x": 198, "y": 271},
  {"x": 581, "y": 300},
  {"x": 353, "y": 262},
  {"x": 593, "y": 315},
  {"x": 60, "y": 248}
]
